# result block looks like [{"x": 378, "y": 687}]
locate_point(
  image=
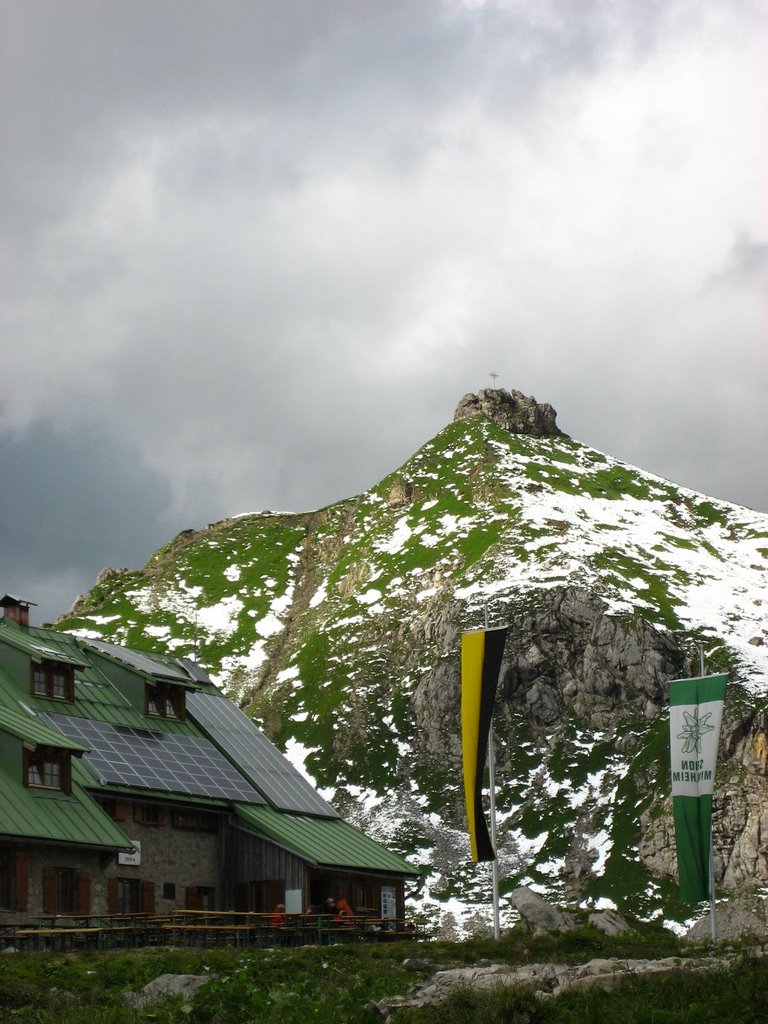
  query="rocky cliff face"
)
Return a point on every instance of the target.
[{"x": 339, "y": 630}]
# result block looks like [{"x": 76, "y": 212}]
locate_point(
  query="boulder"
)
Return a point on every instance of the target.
[
  {"x": 166, "y": 986},
  {"x": 609, "y": 922},
  {"x": 537, "y": 915}
]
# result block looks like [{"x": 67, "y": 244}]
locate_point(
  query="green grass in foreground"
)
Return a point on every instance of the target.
[{"x": 332, "y": 985}]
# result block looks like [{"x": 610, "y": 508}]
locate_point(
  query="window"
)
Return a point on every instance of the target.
[
  {"x": 164, "y": 700},
  {"x": 195, "y": 821},
  {"x": 148, "y": 814},
  {"x": 130, "y": 896},
  {"x": 66, "y": 891},
  {"x": 48, "y": 768},
  {"x": 366, "y": 897},
  {"x": 200, "y": 897},
  {"x": 53, "y": 679},
  {"x": 115, "y": 809}
]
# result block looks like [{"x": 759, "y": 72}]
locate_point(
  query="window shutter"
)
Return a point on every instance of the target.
[
  {"x": 84, "y": 892},
  {"x": 119, "y": 810},
  {"x": 22, "y": 881},
  {"x": 50, "y": 904},
  {"x": 192, "y": 899},
  {"x": 112, "y": 898},
  {"x": 148, "y": 897}
]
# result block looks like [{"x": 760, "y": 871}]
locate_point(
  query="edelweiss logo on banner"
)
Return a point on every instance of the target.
[
  {"x": 693, "y": 730},
  {"x": 692, "y": 734}
]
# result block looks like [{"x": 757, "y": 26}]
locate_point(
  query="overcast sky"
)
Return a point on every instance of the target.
[{"x": 255, "y": 252}]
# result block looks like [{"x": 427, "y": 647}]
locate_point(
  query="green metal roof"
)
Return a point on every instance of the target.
[
  {"x": 28, "y": 727},
  {"x": 42, "y": 643},
  {"x": 329, "y": 842},
  {"x": 60, "y": 817},
  {"x": 155, "y": 665}
]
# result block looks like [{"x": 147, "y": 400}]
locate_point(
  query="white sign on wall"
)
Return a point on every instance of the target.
[
  {"x": 293, "y": 901},
  {"x": 133, "y": 857}
]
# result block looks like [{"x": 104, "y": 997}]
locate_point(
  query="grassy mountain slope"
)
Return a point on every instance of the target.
[{"x": 339, "y": 630}]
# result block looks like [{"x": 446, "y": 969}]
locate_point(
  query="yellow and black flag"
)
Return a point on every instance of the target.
[{"x": 481, "y": 654}]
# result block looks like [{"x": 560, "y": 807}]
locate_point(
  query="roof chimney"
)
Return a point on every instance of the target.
[{"x": 16, "y": 609}]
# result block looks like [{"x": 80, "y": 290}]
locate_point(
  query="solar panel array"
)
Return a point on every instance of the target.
[
  {"x": 174, "y": 763},
  {"x": 141, "y": 660},
  {"x": 258, "y": 759}
]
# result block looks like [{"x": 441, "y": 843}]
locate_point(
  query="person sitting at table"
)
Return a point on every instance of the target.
[
  {"x": 277, "y": 917},
  {"x": 343, "y": 912}
]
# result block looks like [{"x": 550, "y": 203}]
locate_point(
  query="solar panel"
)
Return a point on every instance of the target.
[
  {"x": 140, "y": 660},
  {"x": 261, "y": 761},
  {"x": 156, "y": 760},
  {"x": 194, "y": 670}
]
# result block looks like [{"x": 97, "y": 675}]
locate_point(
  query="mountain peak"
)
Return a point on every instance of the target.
[{"x": 511, "y": 410}]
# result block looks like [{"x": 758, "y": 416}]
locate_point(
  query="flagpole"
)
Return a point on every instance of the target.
[
  {"x": 712, "y": 901},
  {"x": 492, "y": 809}
]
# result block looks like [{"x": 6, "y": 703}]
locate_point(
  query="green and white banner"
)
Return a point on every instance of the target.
[{"x": 695, "y": 714}]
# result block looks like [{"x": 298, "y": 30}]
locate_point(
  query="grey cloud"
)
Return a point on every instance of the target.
[{"x": 261, "y": 254}]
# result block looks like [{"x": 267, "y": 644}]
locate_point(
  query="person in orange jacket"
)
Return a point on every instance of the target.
[
  {"x": 277, "y": 917},
  {"x": 343, "y": 912}
]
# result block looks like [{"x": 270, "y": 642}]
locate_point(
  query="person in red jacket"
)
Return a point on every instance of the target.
[{"x": 277, "y": 917}]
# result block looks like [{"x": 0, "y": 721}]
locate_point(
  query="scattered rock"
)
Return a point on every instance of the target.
[
  {"x": 609, "y": 922},
  {"x": 166, "y": 986},
  {"x": 539, "y": 916},
  {"x": 62, "y": 996},
  {"x": 414, "y": 963},
  {"x": 400, "y": 493}
]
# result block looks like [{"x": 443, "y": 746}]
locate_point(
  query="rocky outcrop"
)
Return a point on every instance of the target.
[
  {"x": 511, "y": 410},
  {"x": 570, "y": 657},
  {"x": 567, "y": 657},
  {"x": 738, "y": 918},
  {"x": 545, "y": 980}
]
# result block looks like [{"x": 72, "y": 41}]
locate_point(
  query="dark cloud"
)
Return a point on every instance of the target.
[
  {"x": 69, "y": 500},
  {"x": 261, "y": 250}
]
